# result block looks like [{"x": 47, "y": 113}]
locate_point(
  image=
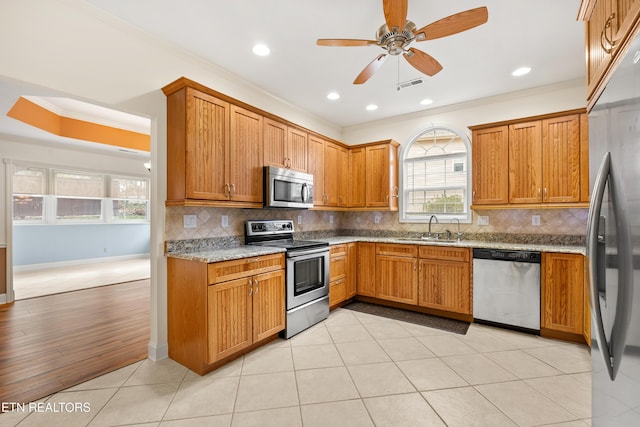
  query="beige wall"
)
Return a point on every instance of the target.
[{"x": 552, "y": 221}]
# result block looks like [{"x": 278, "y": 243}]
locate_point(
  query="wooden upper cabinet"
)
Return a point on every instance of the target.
[
  {"x": 490, "y": 148},
  {"x": 343, "y": 177},
  {"x": 525, "y": 162},
  {"x": 357, "y": 177},
  {"x": 381, "y": 171},
  {"x": 275, "y": 143},
  {"x": 296, "y": 154},
  {"x": 245, "y": 156},
  {"x": 284, "y": 146},
  {"x": 331, "y": 173},
  {"x": 205, "y": 143},
  {"x": 315, "y": 165},
  {"x": 610, "y": 25},
  {"x": 584, "y": 158},
  {"x": 561, "y": 156}
]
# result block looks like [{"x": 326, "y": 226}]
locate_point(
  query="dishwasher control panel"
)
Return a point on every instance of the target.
[{"x": 507, "y": 255}]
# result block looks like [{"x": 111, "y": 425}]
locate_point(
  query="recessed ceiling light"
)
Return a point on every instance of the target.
[
  {"x": 426, "y": 102},
  {"x": 261, "y": 50},
  {"x": 333, "y": 96},
  {"x": 372, "y": 107},
  {"x": 521, "y": 71}
]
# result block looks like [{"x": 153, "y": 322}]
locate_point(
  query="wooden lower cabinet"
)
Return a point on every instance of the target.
[
  {"x": 352, "y": 270},
  {"x": 218, "y": 310},
  {"x": 342, "y": 274},
  {"x": 397, "y": 273},
  {"x": 445, "y": 285},
  {"x": 366, "y": 269},
  {"x": 562, "y": 295}
]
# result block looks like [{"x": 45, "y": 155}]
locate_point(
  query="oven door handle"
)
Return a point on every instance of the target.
[{"x": 298, "y": 254}]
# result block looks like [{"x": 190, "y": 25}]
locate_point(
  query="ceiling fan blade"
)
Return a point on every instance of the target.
[
  {"x": 453, "y": 24},
  {"x": 346, "y": 42},
  {"x": 370, "y": 69},
  {"x": 395, "y": 13},
  {"x": 423, "y": 62}
]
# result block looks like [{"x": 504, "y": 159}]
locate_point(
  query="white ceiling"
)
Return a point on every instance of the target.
[{"x": 541, "y": 34}]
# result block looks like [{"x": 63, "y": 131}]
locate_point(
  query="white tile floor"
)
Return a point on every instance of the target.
[
  {"x": 55, "y": 280},
  {"x": 354, "y": 369}
]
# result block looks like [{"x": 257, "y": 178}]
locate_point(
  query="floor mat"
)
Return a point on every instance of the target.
[{"x": 442, "y": 323}]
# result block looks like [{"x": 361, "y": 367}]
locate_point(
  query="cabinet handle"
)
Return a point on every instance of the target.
[
  {"x": 544, "y": 194},
  {"x": 387, "y": 198},
  {"x": 539, "y": 194},
  {"x": 233, "y": 187},
  {"x": 255, "y": 291},
  {"x": 396, "y": 192},
  {"x": 289, "y": 163},
  {"x": 250, "y": 285},
  {"x": 227, "y": 190},
  {"x": 473, "y": 195},
  {"x": 415, "y": 265},
  {"x": 603, "y": 36}
]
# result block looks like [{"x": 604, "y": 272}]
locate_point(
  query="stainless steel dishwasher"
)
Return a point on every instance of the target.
[{"x": 506, "y": 288}]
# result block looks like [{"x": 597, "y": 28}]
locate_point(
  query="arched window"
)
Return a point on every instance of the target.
[{"x": 436, "y": 176}]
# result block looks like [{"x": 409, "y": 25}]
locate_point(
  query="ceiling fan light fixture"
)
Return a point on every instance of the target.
[
  {"x": 261, "y": 49},
  {"x": 333, "y": 96},
  {"x": 372, "y": 107},
  {"x": 521, "y": 71}
]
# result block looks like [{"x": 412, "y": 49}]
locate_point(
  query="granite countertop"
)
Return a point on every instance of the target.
[
  {"x": 461, "y": 244},
  {"x": 225, "y": 254}
]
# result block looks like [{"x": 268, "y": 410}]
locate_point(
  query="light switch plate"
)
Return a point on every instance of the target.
[
  {"x": 535, "y": 219},
  {"x": 330, "y": 219},
  {"x": 225, "y": 221},
  {"x": 299, "y": 219},
  {"x": 483, "y": 220},
  {"x": 190, "y": 221}
]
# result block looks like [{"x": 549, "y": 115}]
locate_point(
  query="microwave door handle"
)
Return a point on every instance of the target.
[
  {"x": 305, "y": 192},
  {"x": 595, "y": 263}
]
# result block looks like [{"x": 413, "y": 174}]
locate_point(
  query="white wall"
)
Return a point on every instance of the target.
[{"x": 550, "y": 99}]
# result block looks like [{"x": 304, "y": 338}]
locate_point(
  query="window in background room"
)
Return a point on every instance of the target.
[
  {"x": 435, "y": 177},
  {"x": 78, "y": 196},
  {"x": 29, "y": 189},
  {"x": 130, "y": 199}
]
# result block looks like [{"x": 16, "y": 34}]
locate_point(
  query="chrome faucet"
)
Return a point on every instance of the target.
[
  {"x": 431, "y": 219},
  {"x": 459, "y": 233}
]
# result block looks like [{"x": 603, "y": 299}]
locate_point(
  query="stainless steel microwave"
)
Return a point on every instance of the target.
[{"x": 285, "y": 188}]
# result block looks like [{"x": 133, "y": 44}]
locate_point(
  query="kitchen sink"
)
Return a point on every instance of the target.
[{"x": 428, "y": 239}]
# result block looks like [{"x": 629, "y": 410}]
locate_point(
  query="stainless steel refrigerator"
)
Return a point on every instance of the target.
[{"x": 613, "y": 246}]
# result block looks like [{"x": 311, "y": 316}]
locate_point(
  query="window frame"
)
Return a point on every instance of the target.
[{"x": 464, "y": 218}]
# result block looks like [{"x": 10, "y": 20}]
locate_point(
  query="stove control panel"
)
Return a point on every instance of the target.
[{"x": 254, "y": 228}]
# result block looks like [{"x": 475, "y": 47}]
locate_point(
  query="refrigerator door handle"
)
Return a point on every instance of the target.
[{"x": 613, "y": 349}]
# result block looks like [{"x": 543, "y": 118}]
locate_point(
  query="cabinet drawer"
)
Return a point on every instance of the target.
[
  {"x": 445, "y": 253},
  {"x": 237, "y": 268},
  {"x": 396, "y": 249},
  {"x": 337, "y": 267},
  {"x": 336, "y": 250},
  {"x": 337, "y": 291}
]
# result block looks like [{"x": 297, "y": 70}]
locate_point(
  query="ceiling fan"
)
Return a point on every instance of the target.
[{"x": 397, "y": 33}]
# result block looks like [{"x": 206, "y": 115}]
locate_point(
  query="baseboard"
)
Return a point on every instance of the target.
[
  {"x": 45, "y": 265},
  {"x": 3, "y": 299},
  {"x": 158, "y": 352}
]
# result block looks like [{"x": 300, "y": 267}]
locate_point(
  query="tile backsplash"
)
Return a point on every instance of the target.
[{"x": 512, "y": 221}]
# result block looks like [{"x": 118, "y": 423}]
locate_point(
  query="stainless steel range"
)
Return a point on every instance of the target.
[{"x": 307, "y": 272}]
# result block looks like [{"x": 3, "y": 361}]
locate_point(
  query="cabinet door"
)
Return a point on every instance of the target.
[
  {"x": 331, "y": 173},
  {"x": 275, "y": 143},
  {"x": 445, "y": 285},
  {"x": 357, "y": 177},
  {"x": 315, "y": 166},
  {"x": 562, "y": 292},
  {"x": 297, "y": 150},
  {"x": 268, "y": 304},
  {"x": 525, "y": 162},
  {"x": 352, "y": 269},
  {"x": 584, "y": 158},
  {"x": 397, "y": 279},
  {"x": 561, "y": 159},
  {"x": 343, "y": 177},
  {"x": 490, "y": 157},
  {"x": 377, "y": 175},
  {"x": 229, "y": 318},
  {"x": 598, "y": 58},
  {"x": 206, "y": 148},
  {"x": 245, "y": 156},
  {"x": 337, "y": 291},
  {"x": 366, "y": 269}
]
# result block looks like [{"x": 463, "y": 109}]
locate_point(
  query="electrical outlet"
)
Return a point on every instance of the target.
[
  {"x": 535, "y": 219},
  {"x": 377, "y": 219},
  {"x": 483, "y": 220},
  {"x": 299, "y": 219},
  {"x": 225, "y": 221},
  {"x": 190, "y": 221},
  {"x": 330, "y": 219}
]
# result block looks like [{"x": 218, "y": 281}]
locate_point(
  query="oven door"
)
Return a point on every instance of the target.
[{"x": 307, "y": 276}]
